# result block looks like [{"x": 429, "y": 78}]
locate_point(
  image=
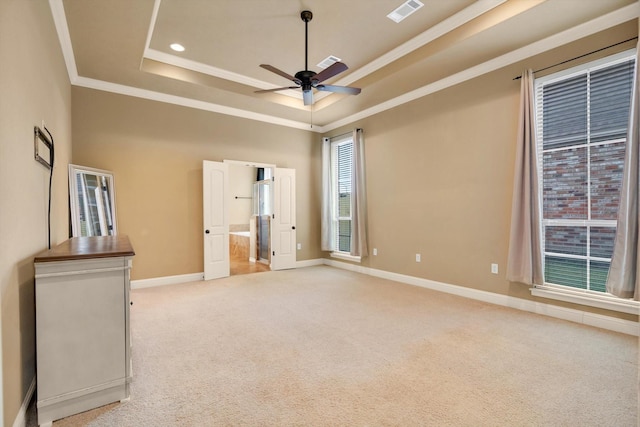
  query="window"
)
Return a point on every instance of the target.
[
  {"x": 582, "y": 117},
  {"x": 341, "y": 176}
]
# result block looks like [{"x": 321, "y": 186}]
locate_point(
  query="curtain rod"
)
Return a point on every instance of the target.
[
  {"x": 344, "y": 134},
  {"x": 581, "y": 56}
]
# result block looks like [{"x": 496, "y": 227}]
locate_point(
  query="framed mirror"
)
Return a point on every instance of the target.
[{"x": 92, "y": 202}]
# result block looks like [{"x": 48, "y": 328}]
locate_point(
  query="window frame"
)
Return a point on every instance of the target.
[
  {"x": 335, "y": 211},
  {"x": 564, "y": 292}
]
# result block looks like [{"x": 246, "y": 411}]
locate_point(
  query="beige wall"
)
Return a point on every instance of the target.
[
  {"x": 34, "y": 86},
  {"x": 156, "y": 151},
  {"x": 241, "y": 180},
  {"x": 440, "y": 176}
]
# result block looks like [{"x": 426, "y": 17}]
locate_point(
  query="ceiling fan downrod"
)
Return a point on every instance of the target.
[{"x": 306, "y": 16}]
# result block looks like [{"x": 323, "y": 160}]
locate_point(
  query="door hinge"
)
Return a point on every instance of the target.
[
  {"x": 273, "y": 253},
  {"x": 273, "y": 216},
  {"x": 273, "y": 178}
]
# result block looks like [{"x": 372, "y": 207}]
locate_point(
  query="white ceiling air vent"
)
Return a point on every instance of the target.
[
  {"x": 328, "y": 61},
  {"x": 404, "y": 10}
]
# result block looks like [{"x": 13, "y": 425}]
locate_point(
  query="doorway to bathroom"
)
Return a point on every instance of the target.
[
  {"x": 250, "y": 212},
  {"x": 217, "y": 200}
]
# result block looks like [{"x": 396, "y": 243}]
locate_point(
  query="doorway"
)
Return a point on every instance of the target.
[
  {"x": 250, "y": 211},
  {"x": 216, "y": 200}
]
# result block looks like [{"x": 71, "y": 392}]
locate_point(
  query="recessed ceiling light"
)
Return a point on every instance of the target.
[
  {"x": 404, "y": 10},
  {"x": 177, "y": 47}
]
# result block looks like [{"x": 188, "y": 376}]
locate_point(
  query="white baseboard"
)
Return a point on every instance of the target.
[
  {"x": 195, "y": 277},
  {"x": 309, "y": 262},
  {"x": 21, "y": 418},
  {"x": 573, "y": 315},
  {"x": 167, "y": 280}
]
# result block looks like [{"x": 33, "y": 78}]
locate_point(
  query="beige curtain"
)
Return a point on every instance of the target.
[
  {"x": 326, "y": 240},
  {"x": 525, "y": 251},
  {"x": 623, "y": 275},
  {"x": 358, "y": 198}
]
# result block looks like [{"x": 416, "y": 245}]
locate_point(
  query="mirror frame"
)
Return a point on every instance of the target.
[{"x": 74, "y": 208}]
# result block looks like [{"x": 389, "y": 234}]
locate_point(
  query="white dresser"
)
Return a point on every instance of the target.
[{"x": 83, "y": 343}]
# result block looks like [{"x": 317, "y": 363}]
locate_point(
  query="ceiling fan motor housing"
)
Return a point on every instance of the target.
[{"x": 306, "y": 78}]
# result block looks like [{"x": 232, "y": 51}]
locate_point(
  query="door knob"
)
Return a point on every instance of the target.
[
  {"x": 206, "y": 231},
  {"x": 293, "y": 227}
]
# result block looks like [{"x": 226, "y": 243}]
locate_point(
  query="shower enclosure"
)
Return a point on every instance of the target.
[{"x": 262, "y": 211}]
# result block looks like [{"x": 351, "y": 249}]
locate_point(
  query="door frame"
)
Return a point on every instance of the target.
[
  {"x": 255, "y": 165},
  {"x": 250, "y": 164}
]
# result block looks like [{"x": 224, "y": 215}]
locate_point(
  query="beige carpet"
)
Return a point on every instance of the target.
[{"x": 325, "y": 347}]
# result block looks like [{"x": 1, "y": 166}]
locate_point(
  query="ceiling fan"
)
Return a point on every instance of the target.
[{"x": 307, "y": 79}]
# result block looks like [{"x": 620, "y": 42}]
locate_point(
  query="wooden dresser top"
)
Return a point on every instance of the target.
[{"x": 88, "y": 247}]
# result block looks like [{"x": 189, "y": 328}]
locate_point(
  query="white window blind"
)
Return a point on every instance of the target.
[
  {"x": 582, "y": 117},
  {"x": 341, "y": 170}
]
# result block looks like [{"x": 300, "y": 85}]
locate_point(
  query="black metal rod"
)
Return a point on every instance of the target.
[
  {"x": 306, "y": 44},
  {"x": 581, "y": 56}
]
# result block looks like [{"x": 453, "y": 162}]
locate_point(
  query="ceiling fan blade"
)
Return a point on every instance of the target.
[
  {"x": 277, "y": 89},
  {"x": 307, "y": 97},
  {"x": 330, "y": 71},
  {"x": 280, "y": 73},
  {"x": 339, "y": 89}
]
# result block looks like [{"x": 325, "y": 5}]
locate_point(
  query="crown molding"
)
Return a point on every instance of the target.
[
  {"x": 62, "y": 28},
  {"x": 478, "y": 8},
  {"x": 601, "y": 23},
  {"x": 199, "y": 67},
  {"x": 189, "y": 102}
]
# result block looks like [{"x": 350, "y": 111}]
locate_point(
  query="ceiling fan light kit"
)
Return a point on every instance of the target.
[{"x": 308, "y": 80}]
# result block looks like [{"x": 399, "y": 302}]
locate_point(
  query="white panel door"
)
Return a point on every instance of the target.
[
  {"x": 215, "y": 189},
  {"x": 283, "y": 223}
]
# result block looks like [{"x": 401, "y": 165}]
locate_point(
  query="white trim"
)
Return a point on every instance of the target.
[
  {"x": 455, "y": 21},
  {"x": 573, "y": 315},
  {"x": 345, "y": 256},
  {"x": 21, "y": 418},
  {"x": 152, "y": 25},
  {"x": 601, "y": 23},
  {"x": 166, "y": 280},
  {"x": 62, "y": 28},
  {"x": 187, "y": 64},
  {"x": 589, "y": 67},
  {"x": 186, "y": 102},
  {"x": 585, "y": 298},
  {"x": 471, "y": 12},
  {"x": 197, "y": 277},
  {"x": 309, "y": 262},
  {"x": 250, "y": 164}
]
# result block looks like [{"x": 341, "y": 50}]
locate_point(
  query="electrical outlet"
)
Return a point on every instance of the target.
[
  {"x": 417, "y": 257},
  {"x": 375, "y": 251},
  {"x": 494, "y": 268},
  {"x": 299, "y": 246}
]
